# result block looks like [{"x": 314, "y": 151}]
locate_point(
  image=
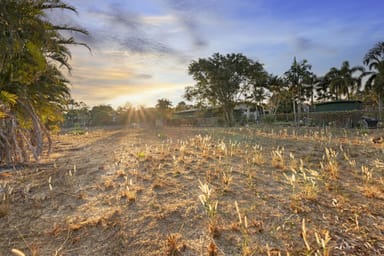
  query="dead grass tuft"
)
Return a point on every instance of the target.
[
  {"x": 174, "y": 245},
  {"x": 373, "y": 191},
  {"x": 100, "y": 218},
  {"x": 278, "y": 158}
]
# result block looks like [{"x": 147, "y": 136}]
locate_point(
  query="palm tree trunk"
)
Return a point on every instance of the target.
[
  {"x": 37, "y": 129},
  {"x": 380, "y": 107},
  {"x": 294, "y": 111},
  {"x": 299, "y": 112}
]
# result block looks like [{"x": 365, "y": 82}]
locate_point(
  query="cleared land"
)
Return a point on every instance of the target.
[{"x": 194, "y": 191}]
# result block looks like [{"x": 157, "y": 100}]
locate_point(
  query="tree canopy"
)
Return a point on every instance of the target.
[
  {"x": 374, "y": 59},
  {"x": 299, "y": 78},
  {"x": 163, "y": 106},
  {"x": 221, "y": 80},
  {"x": 343, "y": 82}
]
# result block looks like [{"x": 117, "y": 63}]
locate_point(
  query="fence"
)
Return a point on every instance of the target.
[
  {"x": 346, "y": 119},
  {"x": 335, "y": 118}
]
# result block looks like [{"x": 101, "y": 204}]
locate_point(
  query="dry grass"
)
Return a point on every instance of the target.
[{"x": 262, "y": 191}]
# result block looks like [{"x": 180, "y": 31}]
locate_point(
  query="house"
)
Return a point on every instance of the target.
[{"x": 249, "y": 110}]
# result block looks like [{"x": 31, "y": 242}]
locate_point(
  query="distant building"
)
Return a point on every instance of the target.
[
  {"x": 249, "y": 110},
  {"x": 340, "y": 105},
  {"x": 208, "y": 116},
  {"x": 341, "y": 113},
  {"x": 196, "y": 113}
]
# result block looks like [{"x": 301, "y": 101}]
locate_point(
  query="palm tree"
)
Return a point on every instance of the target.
[
  {"x": 33, "y": 88},
  {"x": 309, "y": 87},
  {"x": 342, "y": 82},
  {"x": 297, "y": 76},
  {"x": 374, "y": 59},
  {"x": 322, "y": 89}
]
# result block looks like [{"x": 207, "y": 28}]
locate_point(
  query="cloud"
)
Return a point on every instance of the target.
[
  {"x": 144, "y": 45},
  {"x": 187, "y": 13},
  {"x": 116, "y": 77},
  {"x": 303, "y": 43},
  {"x": 115, "y": 26},
  {"x": 144, "y": 94},
  {"x": 143, "y": 76}
]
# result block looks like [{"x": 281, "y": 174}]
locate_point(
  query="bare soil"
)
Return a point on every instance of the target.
[{"x": 136, "y": 192}]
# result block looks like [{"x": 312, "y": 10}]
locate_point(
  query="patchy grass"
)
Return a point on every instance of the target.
[{"x": 195, "y": 191}]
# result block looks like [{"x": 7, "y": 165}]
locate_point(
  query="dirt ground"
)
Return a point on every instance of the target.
[{"x": 199, "y": 191}]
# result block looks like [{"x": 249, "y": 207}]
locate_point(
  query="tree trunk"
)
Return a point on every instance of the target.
[
  {"x": 294, "y": 111},
  {"x": 380, "y": 107},
  {"x": 37, "y": 134},
  {"x": 299, "y": 113},
  {"x": 228, "y": 115}
]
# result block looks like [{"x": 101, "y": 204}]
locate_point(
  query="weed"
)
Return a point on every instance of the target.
[
  {"x": 243, "y": 223},
  {"x": 329, "y": 165},
  {"x": 292, "y": 161},
  {"x": 131, "y": 195},
  {"x": 309, "y": 189},
  {"x": 372, "y": 191},
  {"x": 210, "y": 208},
  {"x": 367, "y": 174},
  {"x": 291, "y": 180},
  {"x": 278, "y": 158},
  {"x": 351, "y": 162},
  {"x": 222, "y": 148},
  {"x": 173, "y": 248},
  {"x": 258, "y": 157},
  {"x": 303, "y": 186},
  {"x": 70, "y": 178},
  {"x": 322, "y": 247},
  {"x": 226, "y": 179}
]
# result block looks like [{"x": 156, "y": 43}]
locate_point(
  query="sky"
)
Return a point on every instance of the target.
[{"x": 141, "y": 49}]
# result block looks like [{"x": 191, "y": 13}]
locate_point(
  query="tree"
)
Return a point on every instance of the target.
[
  {"x": 76, "y": 114},
  {"x": 342, "y": 82},
  {"x": 297, "y": 76},
  {"x": 279, "y": 89},
  {"x": 32, "y": 87},
  {"x": 181, "y": 106},
  {"x": 323, "y": 92},
  {"x": 374, "y": 59},
  {"x": 221, "y": 80},
  {"x": 164, "y": 107},
  {"x": 259, "y": 88},
  {"x": 102, "y": 115}
]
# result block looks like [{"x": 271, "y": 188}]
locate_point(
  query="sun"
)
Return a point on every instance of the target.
[{"x": 135, "y": 99}]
